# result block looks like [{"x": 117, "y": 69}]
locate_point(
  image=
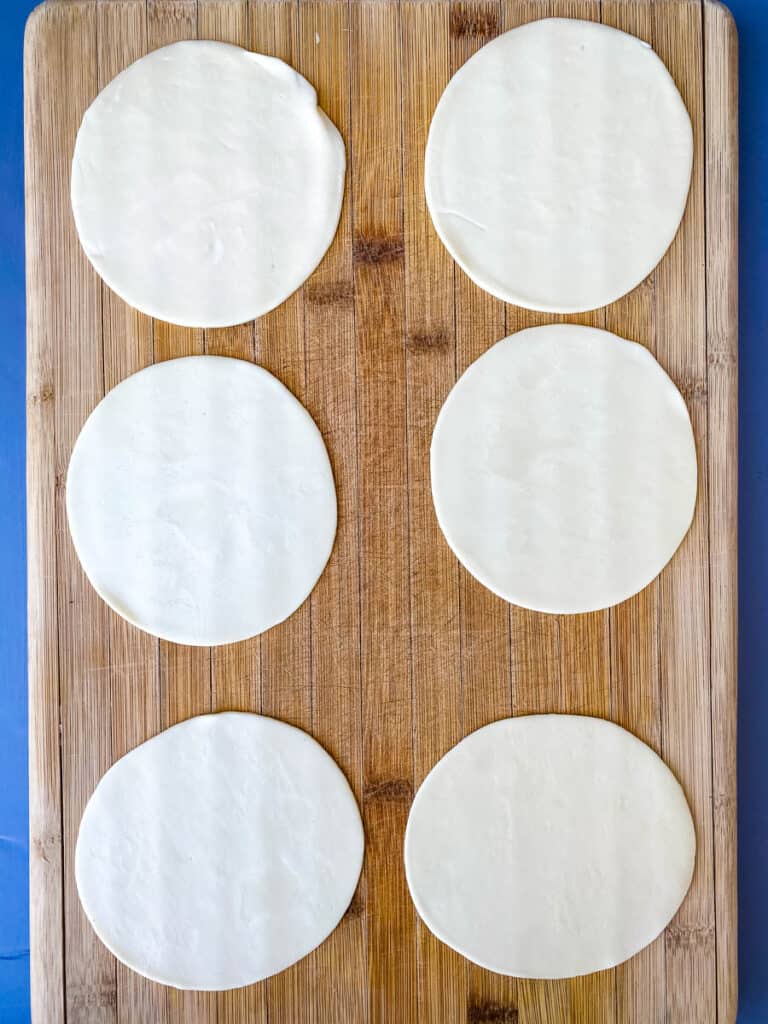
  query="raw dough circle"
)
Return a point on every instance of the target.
[
  {"x": 549, "y": 846},
  {"x": 220, "y": 852},
  {"x": 558, "y": 164},
  {"x": 201, "y": 500},
  {"x": 564, "y": 469},
  {"x": 206, "y": 183}
]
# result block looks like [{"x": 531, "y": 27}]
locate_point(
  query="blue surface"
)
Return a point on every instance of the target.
[
  {"x": 752, "y": 20},
  {"x": 14, "y": 932}
]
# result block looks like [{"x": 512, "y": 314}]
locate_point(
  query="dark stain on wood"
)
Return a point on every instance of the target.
[
  {"x": 389, "y": 791},
  {"x": 474, "y": 21},
  {"x": 329, "y": 293},
  {"x": 724, "y": 802},
  {"x": 722, "y": 359},
  {"x": 648, "y": 283},
  {"x": 372, "y": 249},
  {"x": 177, "y": 10},
  {"x": 489, "y": 1012},
  {"x": 685, "y": 937},
  {"x": 428, "y": 341},
  {"x": 693, "y": 390},
  {"x": 43, "y": 395},
  {"x": 356, "y": 907},
  {"x": 47, "y": 848},
  {"x": 91, "y": 997}
]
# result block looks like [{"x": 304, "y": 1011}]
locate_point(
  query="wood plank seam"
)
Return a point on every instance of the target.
[
  {"x": 662, "y": 690},
  {"x": 409, "y": 562},
  {"x": 350, "y": 141},
  {"x": 418, "y": 924},
  {"x": 61, "y": 752},
  {"x": 100, "y": 287},
  {"x": 660, "y": 599},
  {"x": 686, "y": 642},
  {"x": 705, "y": 101},
  {"x": 61, "y": 777},
  {"x": 358, "y": 504},
  {"x": 719, "y": 110},
  {"x": 640, "y": 17},
  {"x": 61, "y": 774}
]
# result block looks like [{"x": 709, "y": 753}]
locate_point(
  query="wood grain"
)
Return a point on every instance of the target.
[
  {"x": 721, "y": 229},
  {"x": 585, "y": 657},
  {"x": 684, "y": 587},
  {"x": 286, "y": 654},
  {"x": 398, "y": 652},
  {"x": 184, "y": 672},
  {"x": 128, "y": 346},
  {"x": 484, "y": 619},
  {"x": 235, "y": 671},
  {"x": 636, "y": 697},
  {"x": 83, "y": 631},
  {"x": 430, "y": 355},
  {"x": 538, "y": 641},
  {"x": 340, "y": 985},
  {"x": 377, "y": 252}
]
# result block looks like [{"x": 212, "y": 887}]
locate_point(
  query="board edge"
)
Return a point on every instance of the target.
[{"x": 721, "y": 274}]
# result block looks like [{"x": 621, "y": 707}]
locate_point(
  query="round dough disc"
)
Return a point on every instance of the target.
[
  {"x": 558, "y": 164},
  {"x": 201, "y": 500},
  {"x": 549, "y": 846},
  {"x": 564, "y": 469},
  {"x": 206, "y": 183},
  {"x": 220, "y": 852}
]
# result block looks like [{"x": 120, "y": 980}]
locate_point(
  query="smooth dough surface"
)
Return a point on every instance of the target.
[
  {"x": 558, "y": 164},
  {"x": 549, "y": 846},
  {"x": 219, "y": 852},
  {"x": 564, "y": 469},
  {"x": 206, "y": 183},
  {"x": 201, "y": 500}
]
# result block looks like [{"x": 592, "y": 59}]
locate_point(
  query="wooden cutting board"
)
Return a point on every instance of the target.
[{"x": 399, "y": 652}]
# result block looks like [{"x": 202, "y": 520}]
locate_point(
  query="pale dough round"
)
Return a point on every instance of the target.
[
  {"x": 558, "y": 164},
  {"x": 220, "y": 852},
  {"x": 549, "y": 846},
  {"x": 564, "y": 469},
  {"x": 201, "y": 500},
  {"x": 206, "y": 183}
]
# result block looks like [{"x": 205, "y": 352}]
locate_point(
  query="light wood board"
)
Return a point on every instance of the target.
[{"x": 399, "y": 652}]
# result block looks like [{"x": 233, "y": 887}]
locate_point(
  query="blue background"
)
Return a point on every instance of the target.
[{"x": 752, "y": 19}]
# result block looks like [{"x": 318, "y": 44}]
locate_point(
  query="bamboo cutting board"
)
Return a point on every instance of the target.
[{"x": 399, "y": 652}]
